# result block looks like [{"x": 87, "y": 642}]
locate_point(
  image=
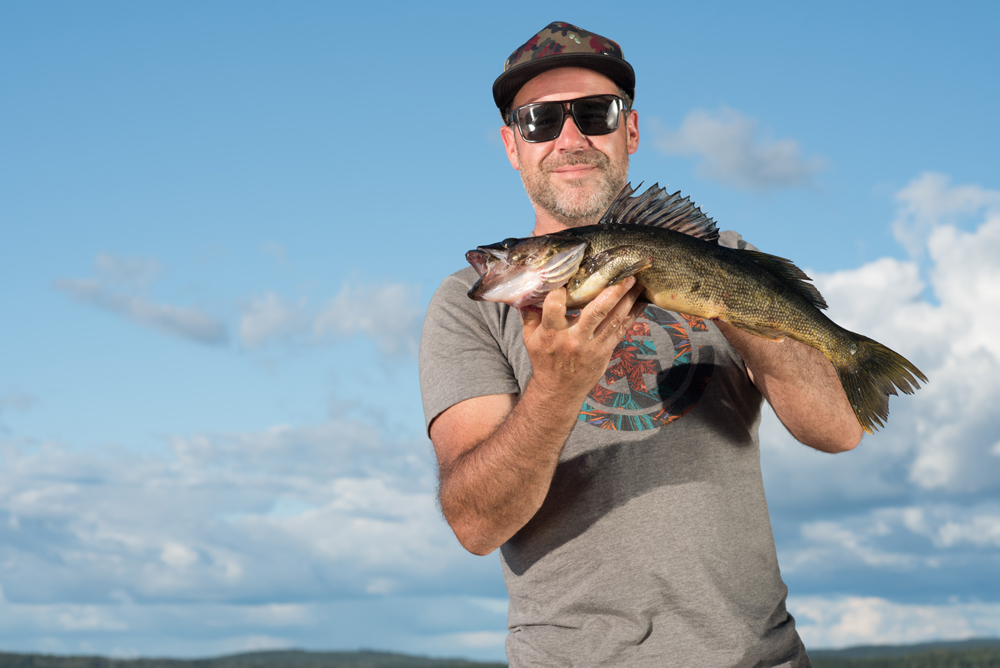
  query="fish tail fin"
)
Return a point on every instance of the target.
[{"x": 870, "y": 375}]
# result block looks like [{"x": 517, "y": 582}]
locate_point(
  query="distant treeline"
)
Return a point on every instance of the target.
[
  {"x": 284, "y": 659},
  {"x": 934, "y": 658},
  {"x": 954, "y": 655}
]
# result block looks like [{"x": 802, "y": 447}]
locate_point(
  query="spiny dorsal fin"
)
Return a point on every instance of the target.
[
  {"x": 794, "y": 277},
  {"x": 615, "y": 209},
  {"x": 656, "y": 208}
]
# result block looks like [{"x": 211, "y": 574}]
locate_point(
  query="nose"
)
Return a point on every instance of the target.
[{"x": 571, "y": 139}]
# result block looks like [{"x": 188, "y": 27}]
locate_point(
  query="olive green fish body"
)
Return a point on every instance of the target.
[{"x": 671, "y": 248}]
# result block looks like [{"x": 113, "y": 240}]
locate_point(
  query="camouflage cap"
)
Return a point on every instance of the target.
[{"x": 562, "y": 44}]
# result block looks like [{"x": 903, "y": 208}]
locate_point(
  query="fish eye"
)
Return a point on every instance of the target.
[{"x": 509, "y": 243}]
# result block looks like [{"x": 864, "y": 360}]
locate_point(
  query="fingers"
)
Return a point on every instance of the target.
[
  {"x": 639, "y": 305},
  {"x": 551, "y": 316},
  {"x": 530, "y": 320},
  {"x": 613, "y": 312},
  {"x": 554, "y": 310}
]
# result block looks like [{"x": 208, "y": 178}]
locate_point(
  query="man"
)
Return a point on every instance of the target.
[{"x": 612, "y": 455}]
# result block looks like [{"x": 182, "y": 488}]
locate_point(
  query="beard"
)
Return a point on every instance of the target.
[{"x": 575, "y": 203}]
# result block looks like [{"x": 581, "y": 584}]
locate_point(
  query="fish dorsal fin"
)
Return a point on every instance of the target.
[
  {"x": 793, "y": 277},
  {"x": 614, "y": 211},
  {"x": 656, "y": 208}
]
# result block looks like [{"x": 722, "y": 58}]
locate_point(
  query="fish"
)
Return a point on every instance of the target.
[{"x": 672, "y": 249}]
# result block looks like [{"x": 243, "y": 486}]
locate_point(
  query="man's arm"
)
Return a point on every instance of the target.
[
  {"x": 802, "y": 387},
  {"x": 497, "y": 454}
]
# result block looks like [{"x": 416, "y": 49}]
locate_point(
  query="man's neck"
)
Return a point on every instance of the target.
[{"x": 549, "y": 223}]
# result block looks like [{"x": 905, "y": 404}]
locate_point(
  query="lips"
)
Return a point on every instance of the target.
[{"x": 576, "y": 169}]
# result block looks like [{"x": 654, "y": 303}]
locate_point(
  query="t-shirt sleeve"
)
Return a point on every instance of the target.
[
  {"x": 731, "y": 239},
  {"x": 462, "y": 349}
]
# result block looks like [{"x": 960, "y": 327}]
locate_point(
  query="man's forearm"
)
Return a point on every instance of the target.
[
  {"x": 491, "y": 491},
  {"x": 802, "y": 387},
  {"x": 497, "y": 460}
]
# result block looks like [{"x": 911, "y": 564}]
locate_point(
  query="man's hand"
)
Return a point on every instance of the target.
[
  {"x": 569, "y": 354},
  {"x": 497, "y": 454}
]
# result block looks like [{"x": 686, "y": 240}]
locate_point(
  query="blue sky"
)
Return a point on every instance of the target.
[{"x": 222, "y": 223}]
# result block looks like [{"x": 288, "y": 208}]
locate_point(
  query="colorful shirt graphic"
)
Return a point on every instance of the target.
[{"x": 637, "y": 392}]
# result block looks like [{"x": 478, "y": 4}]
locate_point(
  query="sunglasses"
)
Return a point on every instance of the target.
[{"x": 543, "y": 121}]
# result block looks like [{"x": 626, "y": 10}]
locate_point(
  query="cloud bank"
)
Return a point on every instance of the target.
[
  {"x": 731, "y": 149},
  {"x": 120, "y": 288},
  {"x": 260, "y": 536},
  {"x": 858, "y": 620},
  {"x": 930, "y": 202},
  {"x": 385, "y": 314},
  {"x": 906, "y": 528}
]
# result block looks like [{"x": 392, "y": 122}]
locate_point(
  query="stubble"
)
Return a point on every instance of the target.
[{"x": 576, "y": 204}]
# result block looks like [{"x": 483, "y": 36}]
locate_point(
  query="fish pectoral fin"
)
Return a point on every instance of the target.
[
  {"x": 618, "y": 263},
  {"x": 632, "y": 269},
  {"x": 605, "y": 269},
  {"x": 762, "y": 331}
]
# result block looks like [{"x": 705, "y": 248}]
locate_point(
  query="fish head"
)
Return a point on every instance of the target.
[{"x": 520, "y": 272}]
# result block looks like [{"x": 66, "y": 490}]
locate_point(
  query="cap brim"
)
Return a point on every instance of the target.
[{"x": 507, "y": 84}]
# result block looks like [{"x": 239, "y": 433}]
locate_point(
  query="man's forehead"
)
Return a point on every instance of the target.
[{"x": 564, "y": 83}]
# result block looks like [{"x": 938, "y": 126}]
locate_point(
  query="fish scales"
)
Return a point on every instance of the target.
[{"x": 688, "y": 272}]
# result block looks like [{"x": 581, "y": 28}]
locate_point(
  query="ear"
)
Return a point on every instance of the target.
[
  {"x": 632, "y": 128},
  {"x": 510, "y": 145}
]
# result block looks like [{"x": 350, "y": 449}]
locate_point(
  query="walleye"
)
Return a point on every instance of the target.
[{"x": 672, "y": 249}]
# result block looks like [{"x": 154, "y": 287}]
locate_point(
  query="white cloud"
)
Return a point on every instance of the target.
[
  {"x": 120, "y": 288},
  {"x": 844, "y": 621},
  {"x": 930, "y": 201},
  {"x": 732, "y": 151},
  {"x": 269, "y": 318},
  {"x": 966, "y": 278},
  {"x": 932, "y": 538},
  {"x": 949, "y": 526},
  {"x": 916, "y": 501},
  {"x": 830, "y": 540},
  {"x": 475, "y": 639},
  {"x": 325, "y": 536},
  {"x": 290, "y": 513},
  {"x": 942, "y": 436},
  {"x": 135, "y": 272},
  {"x": 431, "y": 625},
  {"x": 386, "y": 314}
]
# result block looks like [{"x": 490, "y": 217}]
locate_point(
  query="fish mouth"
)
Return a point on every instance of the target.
[
  {"x": 507, "y": 277},
  {"x": 477, "y": 259}
]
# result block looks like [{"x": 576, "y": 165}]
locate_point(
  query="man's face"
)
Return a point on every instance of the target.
[{"x": 575, "y": 177}]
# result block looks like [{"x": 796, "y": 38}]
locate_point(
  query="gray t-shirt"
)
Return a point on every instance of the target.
[{"x": 653, "y": 546}]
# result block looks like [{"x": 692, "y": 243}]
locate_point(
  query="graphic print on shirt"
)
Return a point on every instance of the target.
[{"x": 637, "y": 392}]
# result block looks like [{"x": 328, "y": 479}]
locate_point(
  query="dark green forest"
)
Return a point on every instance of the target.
[
  {"x": 979, "y": 653},
  {"x": 939, "y": 658},
  {"x": 280, "y": 659},
  {"x": 966, "y": 654}
]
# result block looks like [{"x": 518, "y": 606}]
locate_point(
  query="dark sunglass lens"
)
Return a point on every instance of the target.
[
  {"x": 540, "y": 122},
  {"x": 596, "y": 115}
]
